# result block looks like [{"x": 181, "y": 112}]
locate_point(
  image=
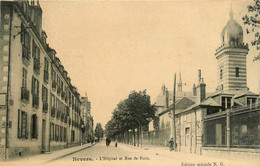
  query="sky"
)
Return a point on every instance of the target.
[{"x": 111, "y": 48}]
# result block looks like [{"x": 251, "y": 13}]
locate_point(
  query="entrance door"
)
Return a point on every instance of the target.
[
  {"x": 187, "y": 136},
  {"x": 43, "y": 134}
]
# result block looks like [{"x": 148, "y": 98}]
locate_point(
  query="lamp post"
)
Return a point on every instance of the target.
[{"x": 173, "y": 114}]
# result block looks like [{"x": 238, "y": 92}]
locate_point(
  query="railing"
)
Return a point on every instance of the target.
[
  {"x": 25, "y": 94},
  {"x": 63, "y": 95},
  {"x": 36, "y": 65},
  {"x": 53, "y": 84},
  {"x": 53, "y": 111},
  {"x": 36, "y": 101},
  {"x": 58, "y": 91},
  {"x": 45, "y": 107},
  {"x": 46, "y": 76}
]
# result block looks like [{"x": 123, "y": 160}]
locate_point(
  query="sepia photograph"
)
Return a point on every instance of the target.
[{"x": 130, "y": 82}]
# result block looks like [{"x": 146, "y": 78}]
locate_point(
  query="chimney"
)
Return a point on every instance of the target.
[
  {"x": 201, "y": 89},
  {"x": 166, "y": 98},
  {"x": 199, "y": 76},
  {"x": 37, "y": 19},
  {"x": 194, "y": 93}
]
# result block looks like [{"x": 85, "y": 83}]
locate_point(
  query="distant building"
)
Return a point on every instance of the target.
[
  {"x": 39, "y": 107},
  {"x": 87, "y": 119}
]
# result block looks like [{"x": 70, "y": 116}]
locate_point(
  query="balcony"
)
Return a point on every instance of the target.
[
  {"x": 52, "y": 111},
  {"x": 58, "y": 114},
  {"x": 46, "y": 76},
  {"x": 35, "y": 101},
  {"x": 25, "y": 94},
  {"x": 62, "y": 117},
  {"x": 45, "y": 107},
  {"x": 63, "y": 95},
  {"x": 53, "y": 84},
  {"x": 36, "y": 65},
  {"x": 66, "y": 118},
  {"x": 58, "y": 91},
  {"x": 26, "y": 55}
]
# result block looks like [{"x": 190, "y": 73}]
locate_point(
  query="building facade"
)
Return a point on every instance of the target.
[
  {"x": 88, "y": 135},
  {"x": 40, "y": 109}
]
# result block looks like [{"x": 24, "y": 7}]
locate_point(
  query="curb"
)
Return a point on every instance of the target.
[{"x": 70, "y": 153}]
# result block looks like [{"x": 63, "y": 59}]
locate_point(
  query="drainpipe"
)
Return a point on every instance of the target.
[
  {"x": 228, "y": 128},
  {"x": 8, "y": 85}
]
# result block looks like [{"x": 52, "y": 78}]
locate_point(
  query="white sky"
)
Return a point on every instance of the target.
[{"x": 112, "y": 48}]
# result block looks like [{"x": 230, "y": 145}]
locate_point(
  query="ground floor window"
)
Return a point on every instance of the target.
[
  {"x": 22, "y": 124},
  {"x": 57, "y": 133},
  {"x": 72, "y": 135},
  {"x": 52, "y": 132},
  {"x": 34, "y": 130}
]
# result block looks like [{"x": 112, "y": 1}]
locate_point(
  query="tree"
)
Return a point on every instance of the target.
[
  {"x": 99, "y": 131},
  {"x": 131, "y": 113},
  {"x": 252, "y": 20}
]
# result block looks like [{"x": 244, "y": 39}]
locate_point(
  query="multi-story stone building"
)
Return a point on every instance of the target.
[
  {"x": 87, "y": 119},
  {"x": 40, "y": 110}
]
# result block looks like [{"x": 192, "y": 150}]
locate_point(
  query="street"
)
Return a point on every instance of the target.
[{"x": 99, "y": 154}]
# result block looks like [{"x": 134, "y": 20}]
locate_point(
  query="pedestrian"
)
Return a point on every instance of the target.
[
  {"x": 107, "y": 140},
  {"x": 171, "y": 142},
  {"x": 115, "y": 143}
]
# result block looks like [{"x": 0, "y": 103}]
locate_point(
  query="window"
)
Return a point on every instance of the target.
[
  {"x": 46, "y": 70},
  {"x": 46, "y": 64},
  {"x": 226, "y": 102},
  {"x": 65, "y": 134},
  {"x": 251, "y": 101},
  {"x": 61, "y": 134},
  {"x": 35, "y": 86},
  {"x": 56, "y": 132},
  {"x": 24, "y": 81},
  {"x": 22, "y": 125},
  {"x": 72, "y": 135},
  {"x": 34, "y": 131},
  {"x": 44, "y": 94},
  {"x": 52, "y": 136},
  {"x": 35, "y": 92},
  {"x": 237, "y": 71},
  {"x": 221, "y": 73}
]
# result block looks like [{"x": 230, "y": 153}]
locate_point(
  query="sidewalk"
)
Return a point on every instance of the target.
[
  {"x": 191, "y": 157},
  {"x": 54, "y": 155}
]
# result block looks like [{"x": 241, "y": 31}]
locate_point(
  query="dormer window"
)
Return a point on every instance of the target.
[
  {"x": 251, "y": 101},
  {"x": 237, "y": 71},
  {"x": 226, "y": 102}
]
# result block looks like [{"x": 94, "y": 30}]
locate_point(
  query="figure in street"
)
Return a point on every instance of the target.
[
  {"x": 171, "y": 142},
  {"x": 115, "y": 143}
]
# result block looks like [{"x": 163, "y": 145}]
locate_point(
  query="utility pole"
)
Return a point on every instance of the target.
[{"x": 173, "y": 113}]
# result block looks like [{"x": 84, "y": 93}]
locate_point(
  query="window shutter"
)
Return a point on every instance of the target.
[
  {"x": 19, "y": 124},
  {"x": 36, "y": 127},
  {"x": 31, "y": 127},
  {"x": 33, "y": 85},
  {"x": 37, "y": 88},
  {"x": 26, "y": 126}
]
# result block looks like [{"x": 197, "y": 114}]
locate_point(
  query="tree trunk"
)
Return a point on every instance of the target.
[
  {"x": 141, "y": 132},
  {"x": 138, "y": 136},
  {"x": 134, "y": 137}
]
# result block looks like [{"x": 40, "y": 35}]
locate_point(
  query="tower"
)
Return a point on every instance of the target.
[
  {"x": 179, "y": 88},
  {"x": 231, "y": 57}
]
